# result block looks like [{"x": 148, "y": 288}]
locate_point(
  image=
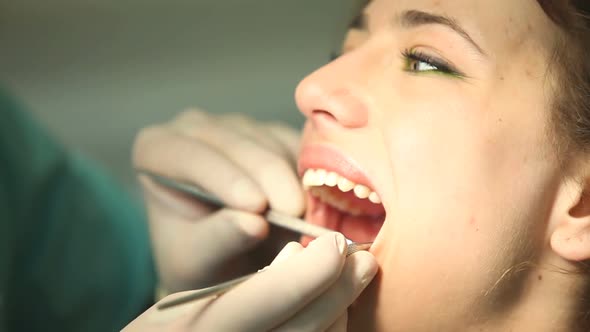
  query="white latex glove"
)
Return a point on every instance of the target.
[
  {"x": 302, "y": 290},
  {"x": 248, "y": 165}
]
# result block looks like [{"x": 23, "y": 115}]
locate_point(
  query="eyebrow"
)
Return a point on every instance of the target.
[{"x": 416, "y": 18}]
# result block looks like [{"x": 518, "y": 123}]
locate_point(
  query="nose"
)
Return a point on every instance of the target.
[{"x": 334, "y": 94}]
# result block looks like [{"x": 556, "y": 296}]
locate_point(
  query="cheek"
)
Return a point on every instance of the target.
[
  {"x": 460, "y": 164},
  {"x": 463, "y": 189},
  {"x": 437, "y": 163},
  {"x": 439, "y": 194}
]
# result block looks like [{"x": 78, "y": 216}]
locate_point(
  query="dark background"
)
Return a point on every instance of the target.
[{"x": 95, "y": 72}]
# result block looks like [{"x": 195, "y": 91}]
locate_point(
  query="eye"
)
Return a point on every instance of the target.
[
  {"x": 417, "y": 65},
  {"x": 418, "y": 62}
]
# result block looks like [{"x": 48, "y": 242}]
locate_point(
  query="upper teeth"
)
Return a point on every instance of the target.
[{"x": 320, "y": 177}]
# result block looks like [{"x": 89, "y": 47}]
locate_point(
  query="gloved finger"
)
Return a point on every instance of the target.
[
  {"x": 271, "y": 297},
  {"x": 276, "y": 136},
  {"x": 226, "y": 234},
  {"x": 273, "y": 173},
  {"x": 154, "y": 319},
  {"x": 359, "y": 270},
  {"x": 163, "y": 151},
  {"x": 173, "y": 201},
  {"x": 190, "y": 253},
  {"x": 289, "y": 250},
  {"x": 256, "y": 132},
  {"x": 179, "y": 312},
  {"x": 341, "y": 324}
]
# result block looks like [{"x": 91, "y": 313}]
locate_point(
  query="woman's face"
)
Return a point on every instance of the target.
[{"x": 442, "y": 109}]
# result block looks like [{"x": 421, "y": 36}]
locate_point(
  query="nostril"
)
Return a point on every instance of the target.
[
  {"x": 323, "y": 114},
  {"x": 321, "y": 118}
]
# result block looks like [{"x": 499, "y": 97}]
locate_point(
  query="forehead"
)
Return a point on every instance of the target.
[{"x": 497, "y": 25}]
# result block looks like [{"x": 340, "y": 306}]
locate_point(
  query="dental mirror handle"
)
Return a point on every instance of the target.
[{"x": 293, "y": 224}]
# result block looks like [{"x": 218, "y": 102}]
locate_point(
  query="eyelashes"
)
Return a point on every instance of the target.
[
  {"x": 416, "y": 61},
  {"x": 419, "y": 62}
]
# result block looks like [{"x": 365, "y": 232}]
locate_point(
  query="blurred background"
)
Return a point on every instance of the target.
[{"x": 95, "y": 72}]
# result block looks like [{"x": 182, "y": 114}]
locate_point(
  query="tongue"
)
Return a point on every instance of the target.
[{"x": 360, "y": 229}]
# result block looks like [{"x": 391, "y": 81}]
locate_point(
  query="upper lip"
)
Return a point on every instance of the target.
[{"x": 332, "y": 159}]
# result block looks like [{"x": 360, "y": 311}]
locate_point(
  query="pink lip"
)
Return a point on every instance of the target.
[{"x": 330, "y": 159}]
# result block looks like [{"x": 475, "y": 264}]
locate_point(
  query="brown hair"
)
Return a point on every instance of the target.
[{"x": 571, "y": 116}]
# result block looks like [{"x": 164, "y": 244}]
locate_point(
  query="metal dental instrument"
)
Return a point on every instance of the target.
[
  {"x": 278, "y": 219},
  {"x": 226, "y": 286},
  {"x": 291, "y": 223}
]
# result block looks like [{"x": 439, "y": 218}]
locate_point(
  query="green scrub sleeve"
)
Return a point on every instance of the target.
[{"x": 74, "y": 246}]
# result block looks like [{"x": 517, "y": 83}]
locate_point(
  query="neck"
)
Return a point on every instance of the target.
[{"x": 549, "y": 301}]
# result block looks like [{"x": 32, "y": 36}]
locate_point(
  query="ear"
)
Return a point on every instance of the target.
[{"x": 571, "y": 235}]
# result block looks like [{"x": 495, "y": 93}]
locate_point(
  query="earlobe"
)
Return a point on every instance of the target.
[
  {"x": 572, "y": 242},
  {"x": 571, "y": 238}
]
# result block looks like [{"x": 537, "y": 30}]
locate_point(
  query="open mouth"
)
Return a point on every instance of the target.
[{"x": 336, "y": 202}]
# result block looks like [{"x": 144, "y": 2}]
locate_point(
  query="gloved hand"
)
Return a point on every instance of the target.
[
  {"x": 302, "y": 290},
  {"x": 248, "y": 165}
]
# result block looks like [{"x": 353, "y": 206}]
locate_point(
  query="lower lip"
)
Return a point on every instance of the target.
[{"x": 358, "y": 229}]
